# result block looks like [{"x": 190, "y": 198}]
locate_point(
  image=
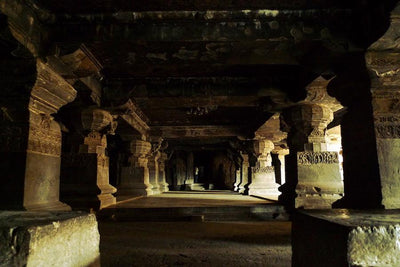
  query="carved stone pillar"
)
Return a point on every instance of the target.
[
  {"x": 135, "y": 177},
  {"x": 85, "y": 175},
  {"x": 245, "y": 174},
  {"x": 30, "y": 156},
  {"x": 313, "y": 177},
  {"x": 384, "y": 64},
  {"x": 280, "y": 157},
  {"x": 154, "y": 172},
  {"x": 263, "y": 174},
  {"x": 238, "y": 180},
  {"x": 162, "y": 182},
  {"x": 189, "y": 181}
]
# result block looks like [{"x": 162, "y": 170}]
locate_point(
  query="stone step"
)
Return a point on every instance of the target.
[
  {"x": 198, "y": 187},
  {"x": 268, "y": 212}
]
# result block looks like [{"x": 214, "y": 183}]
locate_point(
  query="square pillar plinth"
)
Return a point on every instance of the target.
[
  {"x": 346, "y": 238},
  {"x": 263, "y": 183},
  {"x": 134, "y": 183},
  {"x": 48, "y": 239},
  {"x": 319, "y": 183}
]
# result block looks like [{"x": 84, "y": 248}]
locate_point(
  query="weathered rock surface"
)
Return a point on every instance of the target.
[
  {"x": 346, "y": 238},
  {"x": 48, "y": 239}
]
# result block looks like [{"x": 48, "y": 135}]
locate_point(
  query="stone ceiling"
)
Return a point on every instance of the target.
[{"x": 200, "y": 68}]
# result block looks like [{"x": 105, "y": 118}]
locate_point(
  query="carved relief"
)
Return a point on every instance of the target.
[
  {"x": 265, "y": 169},
  {"x": 387, "y": 126},
  {"x": 95, "y": 139},
  {"x": 102, "y": 161},
  {"x": 308, "y": 158},
  {"x": 43, "y": 138},
  {"x": 316, "y": 132},
  {"x": 387, "y": 131}
]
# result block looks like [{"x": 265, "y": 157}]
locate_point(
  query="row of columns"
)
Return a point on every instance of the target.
[
  {"x": 39, "y": 173},
  {"x": 145, "y": 173},
  {"x": 312, "y": 174}
]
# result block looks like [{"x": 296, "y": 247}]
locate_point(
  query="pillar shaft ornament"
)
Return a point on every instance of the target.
[
  {"x": 43, "y": 152},
  {"x": 243, "y": 186},
  {"x": 92, "y": 178},
  {"x": 153, "y": 165},
  {"x": 135, "y": 176},
  {"x": 307, "y": 123},
  {"x": 162, "y": 182},
  {"x": 383, "y": 63},
  {"x": 313, "y": 174},
  {"x": 263, "y": 181}
]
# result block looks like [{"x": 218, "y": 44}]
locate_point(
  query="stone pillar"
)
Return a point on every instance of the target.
[
  {"x": 85, "y": 175},
  {"x": 313, "y": 177},
  {"x": 245, "y": 174},
  {"x": 162, "y": 180},
  {"x": 238, "y": 180},
  {"x": 384, "y": 64},
  {"x": 31, "y": 140},
  {"x": 189, "y": 181},
  {"x": 263, "y": 174},
  {"x": 154, "y": 172},
  {"x": 280, "y": 157},
  {"x": 135, "y": 177}
]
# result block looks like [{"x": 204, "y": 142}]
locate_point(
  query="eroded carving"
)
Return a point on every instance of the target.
[
  {"x": 265, "y": 169},
  {"x": 44, "y": 136},
  {"x": 308, "y": 158}
]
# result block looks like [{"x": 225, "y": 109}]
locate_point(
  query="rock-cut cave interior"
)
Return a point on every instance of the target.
[{"x": 200, "y": 133}]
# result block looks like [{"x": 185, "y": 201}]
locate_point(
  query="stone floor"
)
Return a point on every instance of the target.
[
  {"x": 191, "y": 243},
  {"x": 195, "y": 243},
  {"x": 192, "y": 199}
]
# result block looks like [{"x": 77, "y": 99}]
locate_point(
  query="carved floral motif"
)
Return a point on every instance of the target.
[{"x": 308, "y": 158}]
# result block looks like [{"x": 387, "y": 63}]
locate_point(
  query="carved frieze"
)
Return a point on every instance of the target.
[
  {"x": 44, "y": 136},
  {"x": 50, "y": 91},
  {"x": 309, "y": 158},
  {"x": 265, "y": 169},
  {"x": 387, "y": 126}
]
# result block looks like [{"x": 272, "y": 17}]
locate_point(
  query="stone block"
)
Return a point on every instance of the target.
[
  {"x": 346, "y": 238},
  {"x": 319, "y": 182},
  {"x": 48, "y": 239}
]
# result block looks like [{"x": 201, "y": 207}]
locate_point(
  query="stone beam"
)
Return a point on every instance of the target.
[
  {"x": 31, "y": 22},
  {"x": 204, "y": 131},
  {"x": 232, "y": 25},
  {"x": 149, "y": 5},
  {"x": 189, "y": 102},
  {"x": 82, "y": 62},
  {"x": 132, "y": 114}
]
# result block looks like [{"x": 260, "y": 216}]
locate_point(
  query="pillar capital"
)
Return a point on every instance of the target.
[
  {"x": 263, "y": 146},
  {"x": 306, "y": 124},
  {"x": 140, "y": 148},
  {"x": 95, "y": 119}
]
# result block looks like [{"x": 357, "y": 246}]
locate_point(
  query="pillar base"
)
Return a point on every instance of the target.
[
  {"x": 164, "y": 188},
  {"x": 316, "y": 201},
  {"x": 346, "y": 238},
  {"x": 91, "y": 202},
  {"x": 271, "y": 193},
  {"x": 156, "y": 190},
  {"x": 243, "y": 190},
  {"x": 50, "y": 206},
  {"x": 133, "y": 191}
]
